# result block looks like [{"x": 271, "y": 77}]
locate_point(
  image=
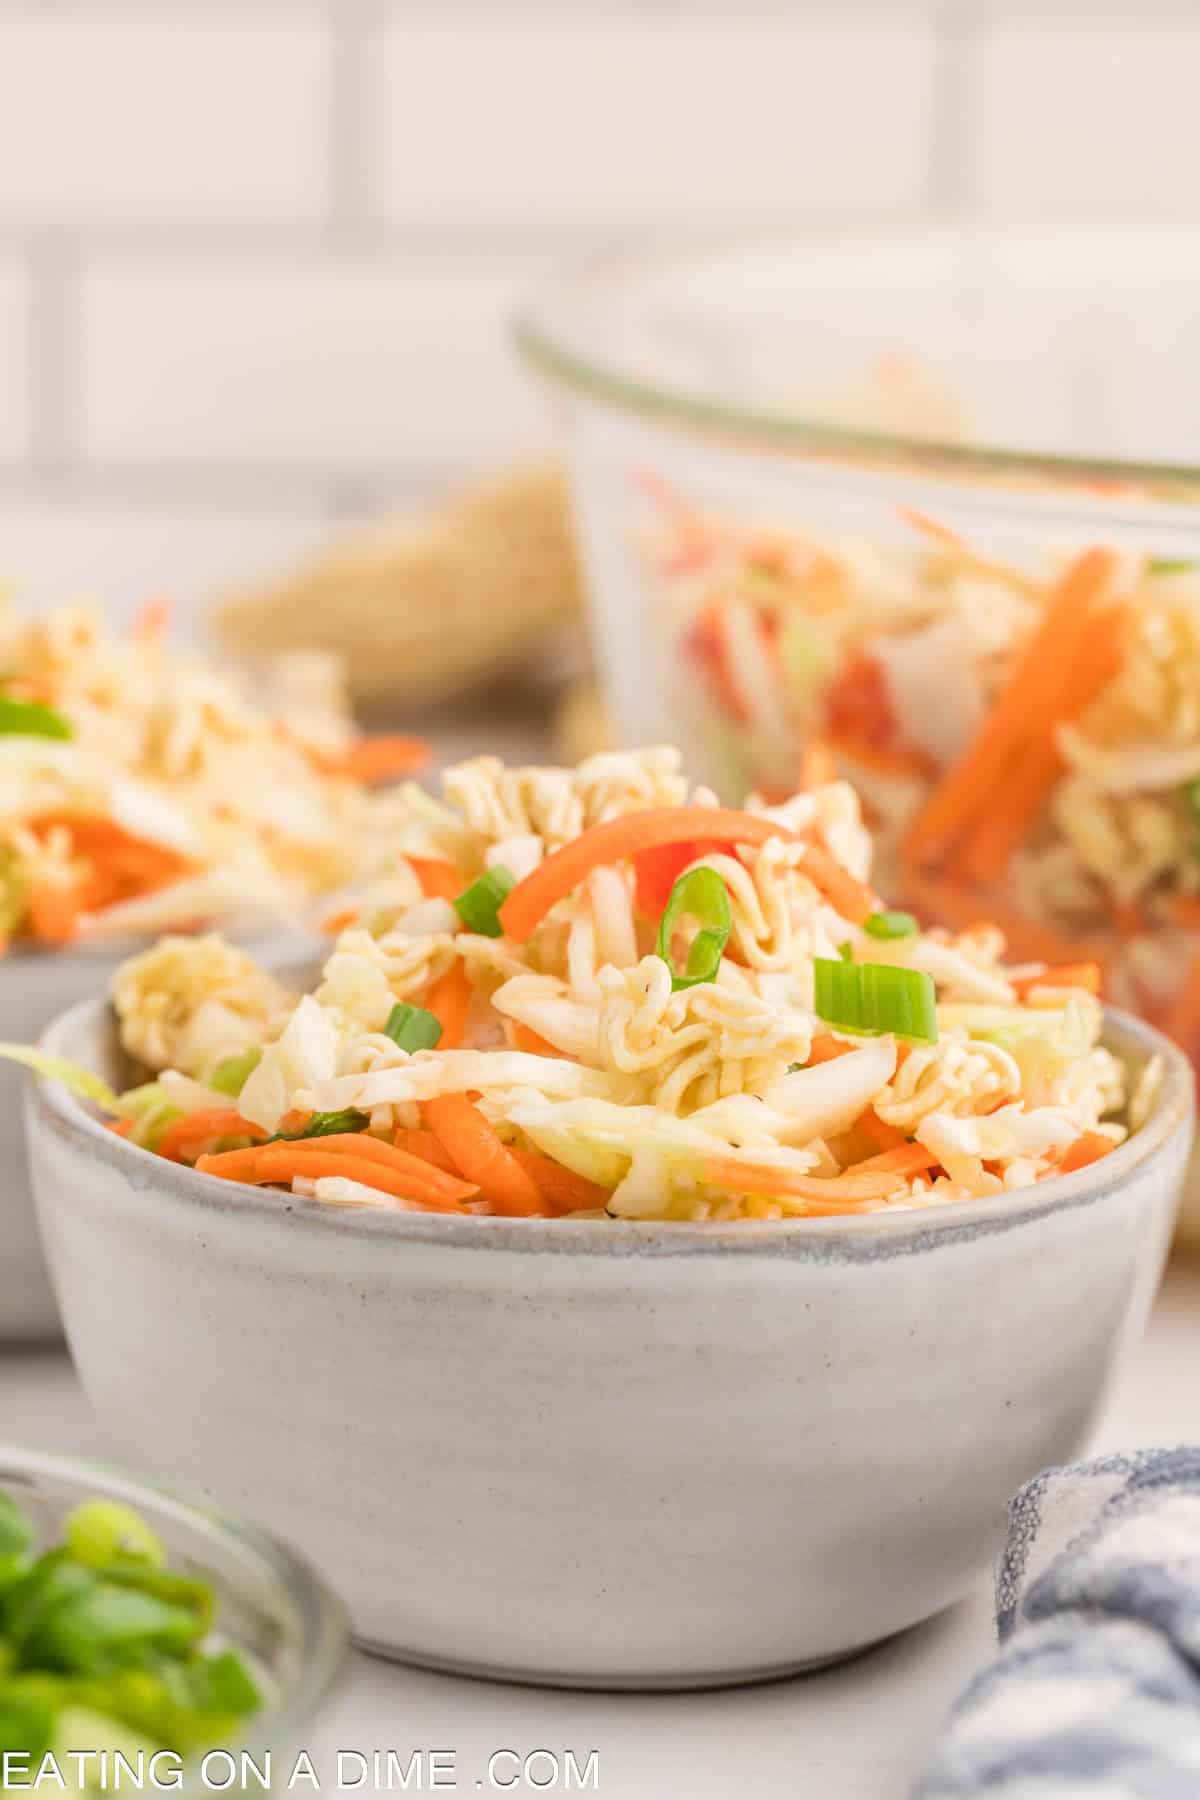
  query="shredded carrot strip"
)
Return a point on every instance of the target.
[
  {"x": 824, "y": 1048},
  {"x": 197, "y": 1128},
  {"x": 1087, "y": 1149},
  {"x": 998, "y": 830},
  {"x": 153, "y": 621},
  {"x": 449, "y": 1000},
  {"x": 361, "y": 1145},
  {"x": 122, "y": 866},
  {"x": 373, "y": 759},
  {"x": 1073, "y": 975},
  {"x": 630, "y": 835},
  {"x": 852, "y": 898},
  {"x": 903, "y": 1159},
  {"x": 281, "y": 1163},
  {"x": 295, "y": 1120},
  {"x": 882, "y": 759},
  {"x": 763, "y": 1178},
  {"x": 973, "y": 779},
  {"x": 881, "y": 1134},
  {"x": 818, "y": 764},
  {"x": 532, "y": 1043},
  {"x": 340, "y": 921},
  {"x": 562, "y": 1189},
  {"x": 481, "y": 1155},
  {"x": 930, "y": 527},
  {"x": 122, "y": 1127},
  {"x": 427, "y": 1147},
  {"x": 439, "y": 880},
  {"x": 1185, "y": 911},
  {"x": 54, "y": 910}
]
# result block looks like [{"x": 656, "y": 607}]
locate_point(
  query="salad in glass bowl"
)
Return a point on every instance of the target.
[
  {"x": 597, "y": 991},
  {"x": 1026, "y": 737}
]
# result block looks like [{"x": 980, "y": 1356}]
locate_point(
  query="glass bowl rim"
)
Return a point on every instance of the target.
[
  {"x": 325, "y": 1631},
  {"x": 540, "y": 332}
]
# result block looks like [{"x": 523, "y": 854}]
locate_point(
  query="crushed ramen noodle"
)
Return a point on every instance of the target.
[{"x": 597, "y": 992}]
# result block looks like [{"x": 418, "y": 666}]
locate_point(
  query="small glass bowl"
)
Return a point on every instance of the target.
[{"x": 270, "y": 1605}]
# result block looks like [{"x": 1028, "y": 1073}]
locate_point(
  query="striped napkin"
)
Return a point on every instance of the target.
[{"x": 1096, "y": 1687}]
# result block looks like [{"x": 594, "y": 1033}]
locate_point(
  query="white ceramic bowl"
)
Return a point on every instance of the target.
[
  {"x": 605, "y": 1454},
  {"x": 35, "y": 986}
]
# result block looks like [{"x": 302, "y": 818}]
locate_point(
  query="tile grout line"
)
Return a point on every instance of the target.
[
  {"x": 952, "y": 183},
  {"x": 353, "y": 146},
  {"x": 53, "y": 367}
]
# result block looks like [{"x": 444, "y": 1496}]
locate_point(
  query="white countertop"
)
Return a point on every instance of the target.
[{"x": 858, "y": 1732}]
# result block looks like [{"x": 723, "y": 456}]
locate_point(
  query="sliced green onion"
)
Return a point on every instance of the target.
[
  {"x": 29, "y": 718},
  {"x": 890, "y": 925},
  {"x": 1170, "y": 565},
  {"x": 873, "y": 998},
  {"x": 16, "y": 1538},
  {"x": 81, "y": 1081},
  {"x": 324, "y": 1124},
  {"x": 703, "y": 896},
  {"x": 412, "y": 1028},
  {"x": 479, "y": 905},
  {"x": 230, "y": 1077},
  {"x": 102, "y": 1532}
]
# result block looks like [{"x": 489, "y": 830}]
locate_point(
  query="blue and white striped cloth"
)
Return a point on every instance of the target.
[{"x": 1096, "y": 1689}]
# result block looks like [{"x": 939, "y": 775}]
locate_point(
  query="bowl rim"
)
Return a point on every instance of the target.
[
  {"x": 546, "y": 345},
  {"x": 864, "y": 1237},
  {"x": 325, "y": 1630}
]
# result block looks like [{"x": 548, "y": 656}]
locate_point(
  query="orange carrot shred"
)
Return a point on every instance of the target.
[
  {"x": 363, "y": 1146},
  {"x": 1088, "y": 1148},
  {"x": 429, "y": 1148},
  {"x": 532, "y": 1043},
  {"x": 902, "y": 1159},
  {"x": 439, "y": 880},
  {"x": 818, "y": 764},
  {"x": 1073, "y": 975},
  {"x": 197, "y": 1128},
  {"x": 562, "y": 1189},
  {"x": 849, "y": 896},
  {"x": 766, "y": 1178},
  {"x": 373, "y": 759},
  {"x": 280, "y": 1163},
  {"x": 626, "y": 836},
  {"x": 481, "y": 1155},
  {"x": 153, "y": 621},
  {"x": 972, "y": 781},
  {"x": 881, "y": 1134},
  {"x": 449, "y": 1000}
]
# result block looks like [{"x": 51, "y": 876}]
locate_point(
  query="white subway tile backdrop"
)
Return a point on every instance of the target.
[{"x": 257, "y": 257}]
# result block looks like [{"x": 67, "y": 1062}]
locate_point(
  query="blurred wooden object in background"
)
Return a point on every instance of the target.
[{"x": 426, "y": 611}]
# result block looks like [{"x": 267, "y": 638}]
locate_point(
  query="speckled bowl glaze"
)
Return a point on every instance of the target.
[
  {"x": 601, "y": 1454},
  {"x": 35, "y": 986}
]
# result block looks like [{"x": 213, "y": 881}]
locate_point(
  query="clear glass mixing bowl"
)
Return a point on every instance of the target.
[{"x": 924, "y": 510}]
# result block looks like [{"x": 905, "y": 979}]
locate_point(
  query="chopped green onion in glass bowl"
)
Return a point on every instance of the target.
[{"x": 135, "y": 1623}]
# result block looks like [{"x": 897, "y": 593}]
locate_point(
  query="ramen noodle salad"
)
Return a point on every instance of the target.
[
  {"x": 596, "y": 991},
  {"x": 1026, "y": 739},
  {"x": 143, "y": 791}
]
